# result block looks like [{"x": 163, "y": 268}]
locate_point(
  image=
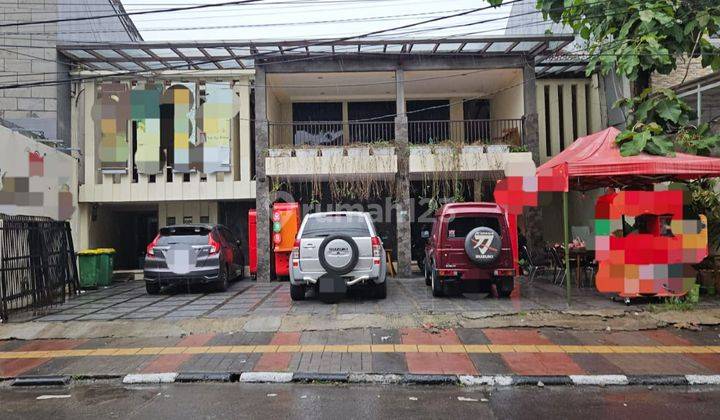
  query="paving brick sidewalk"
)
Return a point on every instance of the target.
[{"x": 455, "y": 351}]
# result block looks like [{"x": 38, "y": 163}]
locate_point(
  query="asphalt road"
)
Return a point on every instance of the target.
[{"x": 176, "y": 401}]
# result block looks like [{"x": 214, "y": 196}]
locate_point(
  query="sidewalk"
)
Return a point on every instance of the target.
[{"x": 462, "y": 351}]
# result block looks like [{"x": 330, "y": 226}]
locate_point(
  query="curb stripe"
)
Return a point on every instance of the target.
[{"x": 371, "y": 378}]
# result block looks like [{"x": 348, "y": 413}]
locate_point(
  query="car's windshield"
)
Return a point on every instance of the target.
[
  {"x": 191, "y": 235},
  {"x": 460, "y": 226},
  {"x": 333, "y": 224}
]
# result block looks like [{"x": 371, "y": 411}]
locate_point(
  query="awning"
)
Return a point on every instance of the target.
[{"x": 594, "y": 161}]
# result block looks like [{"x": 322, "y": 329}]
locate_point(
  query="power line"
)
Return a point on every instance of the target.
[
  {"x": 322, "y": 42},
  {"x": 115, "y": 15}
]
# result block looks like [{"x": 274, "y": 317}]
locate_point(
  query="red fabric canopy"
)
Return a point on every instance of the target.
[{"x": 594, "y": 161}]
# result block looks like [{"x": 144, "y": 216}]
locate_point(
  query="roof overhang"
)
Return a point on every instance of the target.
[{"x": 139, "y": 57}]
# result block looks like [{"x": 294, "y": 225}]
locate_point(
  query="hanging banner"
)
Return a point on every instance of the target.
[{"x": 114, "y": 114}]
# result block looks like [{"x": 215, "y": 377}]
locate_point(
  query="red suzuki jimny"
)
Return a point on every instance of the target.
[{"x": 468, "y": 250}]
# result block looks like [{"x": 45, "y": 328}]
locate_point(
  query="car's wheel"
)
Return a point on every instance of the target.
[
  {"x": 505, "y": 287},
  {"x": 297, "y": 292},
  {"x": 338, "y": 254},
  {"x": 427, "y": 274},
  {"x": 152, "y": 288},
  {"x": 380, "y": 290},
  {"x": 436, "y": 284},
  {"x": 222, "y": 283}
]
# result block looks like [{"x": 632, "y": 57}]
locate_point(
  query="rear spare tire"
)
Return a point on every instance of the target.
[
  {"x": 482, "y": 245},
  {"x": 338, "y": 254}
]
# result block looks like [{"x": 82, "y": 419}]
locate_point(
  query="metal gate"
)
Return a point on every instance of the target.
[{"x": 37, "y": 264}]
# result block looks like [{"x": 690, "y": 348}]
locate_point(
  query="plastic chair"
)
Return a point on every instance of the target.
[
  {"x": 559, "y": 263},
  {"x": 536, "y": 265}
]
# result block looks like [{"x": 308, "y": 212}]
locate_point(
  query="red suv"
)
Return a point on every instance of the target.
[{"x": 468, "y": 250}]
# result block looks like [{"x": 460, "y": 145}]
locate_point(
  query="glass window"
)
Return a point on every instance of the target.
[
  {"x": 333, "y": 224},
  {"x": 460, "y": 226}
]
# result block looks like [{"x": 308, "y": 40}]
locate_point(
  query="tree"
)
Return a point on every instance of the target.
[{"x": 636, "y": 38}]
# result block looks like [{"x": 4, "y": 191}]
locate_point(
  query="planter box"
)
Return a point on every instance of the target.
[
  {"x": 498, "y": 148},
  {"x": 306, "y": 153},
  {"x": 279, "y": 152},
  {"x": 332, "y": 151},
  {"x": 383, "y": 151},
  {"x": 420, "y": 150},
  {"x": 442, "y": 150},
  {"x": 358, "y": 151},
  {"x": 474, "y": 149}
]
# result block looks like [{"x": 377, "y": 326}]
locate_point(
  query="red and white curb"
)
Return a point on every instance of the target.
[{"x": 373, "y": 378}]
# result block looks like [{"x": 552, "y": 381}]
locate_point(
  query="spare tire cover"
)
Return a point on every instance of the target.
[
  {"x": 338, "y": 254},
  {"x": 483, "y": 245}
]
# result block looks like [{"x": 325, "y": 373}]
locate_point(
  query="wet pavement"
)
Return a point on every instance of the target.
[
  {"x": 129, "y": 301},
  {"x": 111, "y": 400}
]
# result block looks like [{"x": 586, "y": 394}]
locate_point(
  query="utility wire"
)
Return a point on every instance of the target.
[
  {"x": 260, "y": 55},
  {"x": 115, "y": 15}
]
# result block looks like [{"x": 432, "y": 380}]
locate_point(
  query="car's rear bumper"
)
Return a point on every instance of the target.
[
  {"x": 475, "y": 274},
  {"x": 353, "y": 278},
  {"x": 166, "y": 278}
]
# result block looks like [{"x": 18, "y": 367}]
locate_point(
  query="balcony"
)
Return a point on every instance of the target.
[{"x": 509, "y": 132}]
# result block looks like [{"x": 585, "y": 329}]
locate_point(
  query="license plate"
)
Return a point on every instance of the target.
[{"x": 332, "y": 285}]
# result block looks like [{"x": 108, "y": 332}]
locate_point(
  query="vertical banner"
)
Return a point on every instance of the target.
[
  {"x": 180, "y": 99},
  {"x": 214, "y": 129},
  {"x": 145, "y": 113},
  {"x": 114, "y": 101}
]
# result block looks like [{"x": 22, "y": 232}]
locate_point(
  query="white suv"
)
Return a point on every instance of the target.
[{"x": 334, "y": 251}]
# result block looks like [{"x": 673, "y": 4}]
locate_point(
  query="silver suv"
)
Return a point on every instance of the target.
[{"x": 334, "y": 251}]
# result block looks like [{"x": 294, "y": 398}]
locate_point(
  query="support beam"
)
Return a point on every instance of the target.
[
  {"x": 262, "y": 193},
  {"x": 402, "y": 179}
]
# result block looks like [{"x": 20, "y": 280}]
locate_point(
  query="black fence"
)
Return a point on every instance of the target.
[{"x": 37, "y": 264}]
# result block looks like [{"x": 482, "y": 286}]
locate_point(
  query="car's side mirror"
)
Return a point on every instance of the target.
[{"x": 425, "y": 234}]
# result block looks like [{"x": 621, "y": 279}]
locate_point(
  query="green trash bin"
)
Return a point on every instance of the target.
[{"x": 95, "y": 267}]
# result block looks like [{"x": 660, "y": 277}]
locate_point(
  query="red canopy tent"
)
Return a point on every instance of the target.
[{"x": 594, "y": 161}]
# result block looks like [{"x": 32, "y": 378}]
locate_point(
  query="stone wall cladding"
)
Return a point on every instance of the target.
[{"x": 675, "y": 78}]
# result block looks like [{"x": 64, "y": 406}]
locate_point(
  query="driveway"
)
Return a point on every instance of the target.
[{"x": 129, "y": 301}]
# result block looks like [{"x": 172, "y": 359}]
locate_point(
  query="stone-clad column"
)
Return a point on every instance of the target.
[
  {"x": 262, "y": 192},
  {"x": 533, "y": 215},
  {"x": 402, "y": 181}
]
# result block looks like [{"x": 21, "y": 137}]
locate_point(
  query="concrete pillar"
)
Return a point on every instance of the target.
[
  {"x": 533, "y": 215},
  {"x": 402, "y": 180},
  {"x": 262, "y": 194}
]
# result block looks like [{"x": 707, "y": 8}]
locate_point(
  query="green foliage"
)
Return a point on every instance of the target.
[
  {"x": 635, "y": 39},
  {"x": 706, "y": 200}
]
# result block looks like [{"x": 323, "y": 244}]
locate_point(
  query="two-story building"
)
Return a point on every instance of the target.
[{"x": 202, "y": 132}]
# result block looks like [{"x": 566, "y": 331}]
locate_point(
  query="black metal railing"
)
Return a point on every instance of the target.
[
  {"x": 37, "y": 264},
  {"x": 496, "y": 131},
  {"x": 338, "y": 133},
  {"x": 331, "y": 133}
]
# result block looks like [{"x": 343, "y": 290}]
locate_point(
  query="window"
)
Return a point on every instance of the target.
[
  {"x": 348, "y": 224},
  {"x": 460, "y": 226},
  {"x": 170, "y": 221},
  {"x": 204, "y": 219},
  {"x": 187, "y": 219}
]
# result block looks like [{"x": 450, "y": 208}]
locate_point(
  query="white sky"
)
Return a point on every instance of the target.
[{"x": 291, "y": 19}]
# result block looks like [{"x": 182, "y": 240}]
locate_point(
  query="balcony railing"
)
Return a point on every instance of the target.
[
  {"x": 499, "y": 131},
  {"x": 331, "y": 133},
  {"x": 338, "y": 133}
]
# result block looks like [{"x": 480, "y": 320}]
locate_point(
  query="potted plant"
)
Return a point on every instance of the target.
[
  {"x": 382, "y": 148},
  {"x": 358, "y": 149},
  {"x": 518, "y": 149},
  {"x": 706, "y": 200},
  {"x": 306, "y": 151}
]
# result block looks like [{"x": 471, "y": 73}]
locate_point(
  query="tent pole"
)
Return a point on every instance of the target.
[{"x": 566, "y": 229}]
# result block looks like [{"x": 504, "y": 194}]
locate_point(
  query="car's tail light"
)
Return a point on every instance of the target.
[
  {"x": 150, "y": 250},
  {"x": 295, "y": 254},
  {"x": 376, "y": 246},
  {"x": 504, "y": 272},
  {"x": 214, "y": 245}
]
